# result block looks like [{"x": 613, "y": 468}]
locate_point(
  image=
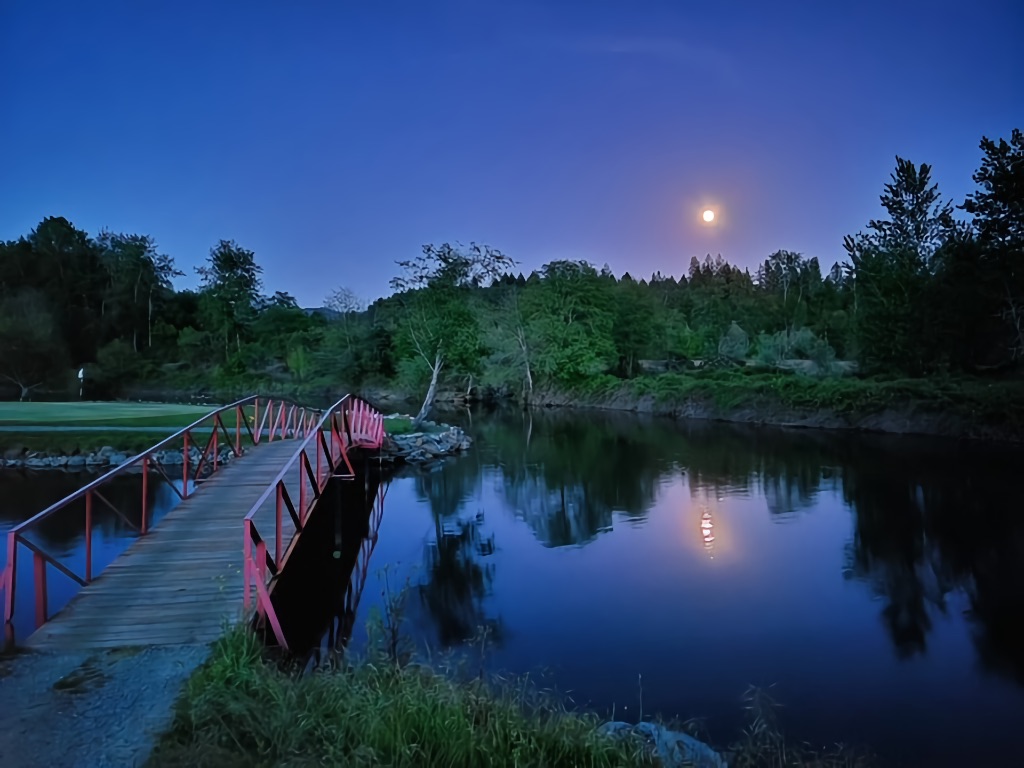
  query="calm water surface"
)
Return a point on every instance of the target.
[
  {"x": 23, "y": 493},
  {"x": 877, "y": 583}
]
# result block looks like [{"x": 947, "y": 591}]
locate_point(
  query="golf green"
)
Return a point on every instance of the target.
[{"x": 101, "y": 414}]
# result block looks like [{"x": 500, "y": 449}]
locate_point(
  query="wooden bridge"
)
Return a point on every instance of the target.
[{"x": 206, "y": 562}]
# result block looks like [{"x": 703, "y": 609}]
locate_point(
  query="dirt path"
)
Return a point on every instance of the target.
[{"x": 90, "y": 710}]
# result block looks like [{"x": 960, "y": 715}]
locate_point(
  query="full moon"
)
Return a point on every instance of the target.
[{"x": 708, "y": 215}]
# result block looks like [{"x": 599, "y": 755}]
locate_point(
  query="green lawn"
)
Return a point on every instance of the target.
[
  {"x": 65, "y": 442},
  {"x": 101, "y": 414},
  {"x": 402, "y": 425}
]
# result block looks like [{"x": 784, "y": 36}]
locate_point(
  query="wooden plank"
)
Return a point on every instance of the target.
[{"x": 182, "y": 581}]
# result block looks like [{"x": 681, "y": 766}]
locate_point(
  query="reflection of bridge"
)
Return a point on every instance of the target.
[{"x": 179, "y": 582}]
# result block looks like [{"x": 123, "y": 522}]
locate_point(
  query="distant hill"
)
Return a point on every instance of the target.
[{"x": 325, "y": 312}]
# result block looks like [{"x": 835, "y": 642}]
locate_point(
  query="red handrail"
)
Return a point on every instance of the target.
[
  {"x": 318, "y": 457},
  {"x": 290, "y": 420}
]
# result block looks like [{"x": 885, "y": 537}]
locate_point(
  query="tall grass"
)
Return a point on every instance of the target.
[
  {"x": 240, "y": 710},
  {"x": 762, "y": 744}
]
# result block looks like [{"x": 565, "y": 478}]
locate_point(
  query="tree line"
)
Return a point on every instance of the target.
[{"x": 923, "y": 290}]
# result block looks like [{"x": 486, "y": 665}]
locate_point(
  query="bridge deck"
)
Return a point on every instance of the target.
[{"x": 181, "y": 583}]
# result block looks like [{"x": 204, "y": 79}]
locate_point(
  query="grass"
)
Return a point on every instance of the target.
[
  {"x": 402, "y": 425},
  {"x": 68, "y": 443},
  {"x": 100, "y": 414},
  {"x": 998, "y": 402},
  {"x": 150, "y": 424},
  {"x": 240, "y": 710}
]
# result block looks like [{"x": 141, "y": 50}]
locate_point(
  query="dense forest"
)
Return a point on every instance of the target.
[{"x": 933, "y": 288}]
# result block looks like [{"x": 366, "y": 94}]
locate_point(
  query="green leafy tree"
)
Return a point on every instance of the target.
[
  {"x": 892, "y": 264},
  {"x": 138, "y": 279},
  {"x": 230, "y": 292},
  {"x": 117, "y": 364},
  {"x": 571, "y": 317},
  {"x": 299, "y": 361},
  {"x": 437, "y": 326},
  {"x": 734, "y": 344},
  {"x": 510, "y": 341},
  {"x": 920, "y": 222},
  {"x": 31, "y": 353},
  {"x": 635, "y": 323},
  {"x": 997, "y": 208},
  {"x": 345, "y": 307},
  {"x": 62, "y": 265}
]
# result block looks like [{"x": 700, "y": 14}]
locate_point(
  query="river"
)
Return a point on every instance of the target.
[{"x": 873, "y": 584}]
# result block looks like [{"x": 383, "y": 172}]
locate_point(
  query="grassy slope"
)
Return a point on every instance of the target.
[
  {"x": 100, "y": 414},
  {"x": 70, "y": 442},
  {"x": 990, "y": 402},
  {"x": 239, "y": 711}
]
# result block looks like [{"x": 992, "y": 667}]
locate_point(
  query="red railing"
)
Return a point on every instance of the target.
[
  {"x": 339, "y": 634},
  {"x": 357, "y": 580},
  {"x": 349, "y": 423},
  {"x": 255, "y": 418}
]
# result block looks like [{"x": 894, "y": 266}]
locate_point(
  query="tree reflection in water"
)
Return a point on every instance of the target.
[
  {"x": 457, "y": 576},
  {"x": 930, "y": 517}
]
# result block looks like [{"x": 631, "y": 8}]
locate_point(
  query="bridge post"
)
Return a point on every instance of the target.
[
  {"x": 319, "y": 448},
  {"x": 10, "y": 573},
  {"x": 261, "y": 570},
  {"x": 39, "y": 564},
  {"x": 303, "y": 463},
  {"x": 144, "y": 527},
  {"x": 184, "y": 468},
  {"x": 246, "y": 572},
  {"x": 88, "y": 537},
  {"x": 278, "y": 535}
]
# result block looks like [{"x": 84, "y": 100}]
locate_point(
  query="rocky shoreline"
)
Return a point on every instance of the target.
[
  {"x": 425, "y": 448},
  {"x": 671, "y": 749},
  {"x": 105, "y": 457},
  {"x": 422, "y": 449}
]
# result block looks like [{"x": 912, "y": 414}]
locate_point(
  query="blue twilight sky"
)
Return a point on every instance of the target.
[{"x": 333, "y": 138}]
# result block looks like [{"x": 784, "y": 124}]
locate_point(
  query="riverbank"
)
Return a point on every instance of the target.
[
  {"x": 968, "y": 408},
  {"x": 240, "y": 709},
  {"x": 42, "y": 447},
  {"x": 961, "y": 407}
]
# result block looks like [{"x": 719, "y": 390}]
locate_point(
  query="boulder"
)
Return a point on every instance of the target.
[
  {"x": 76, "y": 461},
  {"x": 105, "y": 451},
  {"x": 673, "y": 749},
  {"x": 38, "y": 463},
  {"x": 420, "y": 447},
  {"x": 117, "y": 459}
]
